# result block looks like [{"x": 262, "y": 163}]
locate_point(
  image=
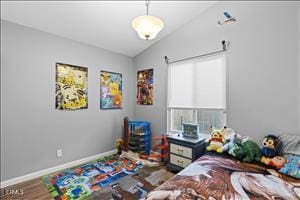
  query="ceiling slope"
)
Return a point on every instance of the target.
[{"x": 101, "y": 23}]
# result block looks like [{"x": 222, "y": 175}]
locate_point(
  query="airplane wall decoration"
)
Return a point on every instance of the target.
[{"x": 228, "y": 19}]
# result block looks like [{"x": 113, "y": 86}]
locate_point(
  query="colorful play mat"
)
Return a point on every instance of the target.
[{"x": 81, "y": 181}]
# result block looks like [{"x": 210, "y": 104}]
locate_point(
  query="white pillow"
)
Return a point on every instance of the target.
[{"x": 288, "y": 144}]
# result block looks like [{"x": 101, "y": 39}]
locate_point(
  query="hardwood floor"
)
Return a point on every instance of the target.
[
  {"x": 35, "y": 189},
  {"x": 29, "y": 190}
]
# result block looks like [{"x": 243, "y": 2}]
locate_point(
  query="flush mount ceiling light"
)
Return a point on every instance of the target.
[{"x": 147, "y": 26}]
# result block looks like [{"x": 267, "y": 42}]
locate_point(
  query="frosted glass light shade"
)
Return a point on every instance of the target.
[{"x": 147, "y": 26}]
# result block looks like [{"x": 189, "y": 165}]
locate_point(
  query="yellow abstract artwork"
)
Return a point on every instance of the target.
[{"x": 71, "y": 87}]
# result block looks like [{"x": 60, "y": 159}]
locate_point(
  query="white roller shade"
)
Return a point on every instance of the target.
[{"x": 198, "y": 83}]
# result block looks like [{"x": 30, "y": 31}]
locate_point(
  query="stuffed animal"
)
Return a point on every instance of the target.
[
  {"x": 292, "y": 167},
  {"x": 269, "y": 146},
  {"x": 248, "y": 151},
  {"x": 216, "y": 140},
  {"x": 277, "y": 162},
  {"x": 234, "y": 138}
]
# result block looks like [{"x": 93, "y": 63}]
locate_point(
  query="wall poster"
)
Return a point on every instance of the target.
[
  {"x": 71, "y": 87},
  {"x": 145, "y": 87},
  {"x": 110, "y": 90}
]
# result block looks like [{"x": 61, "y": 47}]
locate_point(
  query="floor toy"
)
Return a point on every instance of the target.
[{"x": 81, "y": 181}]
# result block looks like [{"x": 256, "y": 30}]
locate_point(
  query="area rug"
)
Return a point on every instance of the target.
[
  {"x": 82, "y": 181},
  {"x": 138, "y": 186}
]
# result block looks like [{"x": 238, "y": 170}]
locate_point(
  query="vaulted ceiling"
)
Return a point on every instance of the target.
[{"x": 105, "y": 24}]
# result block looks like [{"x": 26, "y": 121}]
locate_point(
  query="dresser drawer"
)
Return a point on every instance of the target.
[
  {"x": 179, "y": 161},
  {"x": 181, "y": 150}
]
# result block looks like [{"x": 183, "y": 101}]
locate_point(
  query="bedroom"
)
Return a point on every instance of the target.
[{"x": 262, "y": 93}]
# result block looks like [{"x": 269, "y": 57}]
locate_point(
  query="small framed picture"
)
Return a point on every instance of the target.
[{"x": 190, "y": 130}]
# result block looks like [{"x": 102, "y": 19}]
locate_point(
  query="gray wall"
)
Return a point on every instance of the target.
[
  {"x": 262, "y": 65},
  {"x": 299, "y": 65},
  {"x": 262, "y": 79},
  {"x": 32, "y": 129}
]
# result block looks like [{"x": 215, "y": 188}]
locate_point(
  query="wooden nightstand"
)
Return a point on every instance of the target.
[{"x": 183, "y": 150}]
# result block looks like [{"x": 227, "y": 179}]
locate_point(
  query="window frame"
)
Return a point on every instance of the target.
[{"x": 195, "y": 116}]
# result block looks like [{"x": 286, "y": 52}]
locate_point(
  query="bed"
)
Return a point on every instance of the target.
[{"x": 219, "y": 176}]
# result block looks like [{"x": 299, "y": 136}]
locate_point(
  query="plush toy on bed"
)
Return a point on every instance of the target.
[
  {"x": 292, "y": 167},
  {"x": 234, "y": 139},
  {"x": 216, "y": 140},
  {"x": 277, "y": 161},
  {"x": 269, "y": 146},
  {"x": 248, "y": 151}
]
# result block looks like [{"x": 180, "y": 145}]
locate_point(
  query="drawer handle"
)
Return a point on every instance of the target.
[
  {"x": 180, "y": 150},
  {"x": 180, "y": 163}
]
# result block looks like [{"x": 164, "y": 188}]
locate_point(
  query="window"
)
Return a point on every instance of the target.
[{"x": 197, "y": 93}]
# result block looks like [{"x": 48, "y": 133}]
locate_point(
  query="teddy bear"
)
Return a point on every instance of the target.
[
  {"x": 216, "y": 140},
  {"x": 269, "y": 146}
]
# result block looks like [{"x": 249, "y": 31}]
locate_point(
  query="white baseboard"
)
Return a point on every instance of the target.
[{"x": 53, "y": 169}]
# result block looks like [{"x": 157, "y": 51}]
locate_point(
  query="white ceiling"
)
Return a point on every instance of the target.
[{"x": 101, "y": 23}]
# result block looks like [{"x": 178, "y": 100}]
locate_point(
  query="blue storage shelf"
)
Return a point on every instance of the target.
[{"x": 140, "y": 136}]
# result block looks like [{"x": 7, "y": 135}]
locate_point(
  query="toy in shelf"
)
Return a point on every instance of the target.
[
  {"x": 163, "y": 147},
  {"x": 137, "y": 136}
]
